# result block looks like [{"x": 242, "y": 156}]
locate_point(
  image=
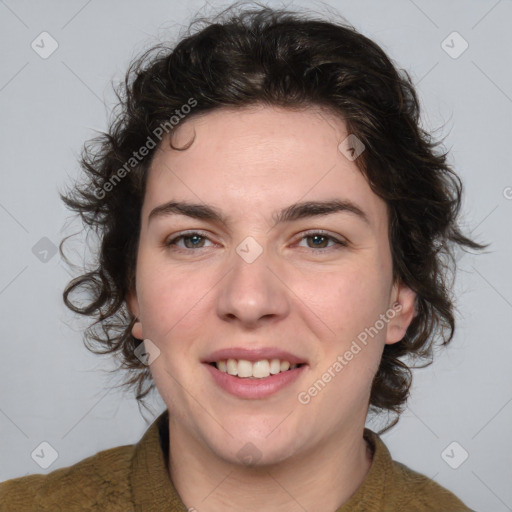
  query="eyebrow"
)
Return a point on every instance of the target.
[{"x": 291, "y": 213}]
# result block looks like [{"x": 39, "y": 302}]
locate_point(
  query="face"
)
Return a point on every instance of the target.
[{"x": 245, "y": 278}]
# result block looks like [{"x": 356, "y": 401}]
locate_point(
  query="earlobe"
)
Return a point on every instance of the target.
[
  {"x": 133, "y": 308},
  {"x": 137, "y": 330},
  {"x": 404, "y": 306}
]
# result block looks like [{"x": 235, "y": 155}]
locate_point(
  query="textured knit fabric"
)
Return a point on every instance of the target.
[{"x": 134, "y": 478}]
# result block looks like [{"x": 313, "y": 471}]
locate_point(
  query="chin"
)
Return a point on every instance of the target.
[
  {"x": 253, "y": 447},
  {"x": 258, "y": 455}
]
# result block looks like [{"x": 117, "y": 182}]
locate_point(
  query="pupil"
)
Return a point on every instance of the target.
[
  {"x": 194, "y": 239},
  {"x": 317, "y": 238}
]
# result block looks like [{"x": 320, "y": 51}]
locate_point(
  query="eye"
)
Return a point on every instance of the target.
[
  {"x": 320, "y": 238},
  {"x": 192, "y": 240},
  {"x": 196, "y": 240}
]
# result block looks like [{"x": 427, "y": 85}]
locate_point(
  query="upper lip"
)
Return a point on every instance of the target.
[{"x": 253, "y": 355}]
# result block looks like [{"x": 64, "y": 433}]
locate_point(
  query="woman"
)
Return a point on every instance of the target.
[{"x": 274, "y": 231}]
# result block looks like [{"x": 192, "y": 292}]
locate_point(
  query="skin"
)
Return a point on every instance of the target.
[{"x": 250, "y": 163}]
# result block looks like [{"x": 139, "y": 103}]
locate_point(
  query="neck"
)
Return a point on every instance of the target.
[{"x": 318, "y": 480}]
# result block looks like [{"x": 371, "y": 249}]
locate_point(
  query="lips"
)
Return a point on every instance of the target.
[
  {"x": 254, "y": 373},
  {"x": 254, "y": 388},
  {"x": 254, "y": 355}
]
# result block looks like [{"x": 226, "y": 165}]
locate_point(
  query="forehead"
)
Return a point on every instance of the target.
[{"x": 257, "y": 160}]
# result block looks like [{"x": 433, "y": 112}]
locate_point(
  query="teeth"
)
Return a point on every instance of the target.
[
  {"x": 257, "y": 370},
  {"x": 261, "y": 369},
  {"x": 244, "y": 368},
  {"x": 275, "y": 366},
  {"x": 232, "y": 367}
]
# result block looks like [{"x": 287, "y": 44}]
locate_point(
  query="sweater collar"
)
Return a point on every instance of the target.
[{"x": 153, "y": 490}]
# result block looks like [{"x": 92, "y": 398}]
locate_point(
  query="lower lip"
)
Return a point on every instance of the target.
[{"x": 254, "y": 388}]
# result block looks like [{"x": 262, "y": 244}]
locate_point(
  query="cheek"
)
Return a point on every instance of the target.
[
  {"x": 349, "y": 303},
  {"x": 347, "y": 300},
  {"x": 171, "y": 301}
]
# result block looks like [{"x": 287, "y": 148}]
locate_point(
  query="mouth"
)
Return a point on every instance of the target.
[
  {"x": 254, "y": 373},
  {"x": 261, "y": 369}
]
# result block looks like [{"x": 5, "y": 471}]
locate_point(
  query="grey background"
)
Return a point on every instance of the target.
[{"x": 52, "y": 389}]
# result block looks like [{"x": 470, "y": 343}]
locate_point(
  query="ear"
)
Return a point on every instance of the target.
[
  {"x": 403, "y": 304},
  {"x": 133, "y": 306}
]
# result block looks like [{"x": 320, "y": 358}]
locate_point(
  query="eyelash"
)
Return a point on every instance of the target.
[{"x": 172, "y": 242}]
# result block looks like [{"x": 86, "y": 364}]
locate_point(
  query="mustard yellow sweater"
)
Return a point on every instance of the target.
[{"x": 134, "y": 478}]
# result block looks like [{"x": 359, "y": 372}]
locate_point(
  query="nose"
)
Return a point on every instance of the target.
[{"x": 253, "y": 292}]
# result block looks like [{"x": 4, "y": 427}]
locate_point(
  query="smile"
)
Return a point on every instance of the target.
[
  {"x": 261, "y": 369},
  {"x": 250, "y": 387}
]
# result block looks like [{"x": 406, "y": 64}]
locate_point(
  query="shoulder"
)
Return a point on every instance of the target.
[
  {"x": 394, "y": 486},
  {"x": 420, "y": 493},
  {"x": 97, "y": 481}
]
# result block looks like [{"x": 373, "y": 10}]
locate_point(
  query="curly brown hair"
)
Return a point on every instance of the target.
[{"x": 257, "y": 54}]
